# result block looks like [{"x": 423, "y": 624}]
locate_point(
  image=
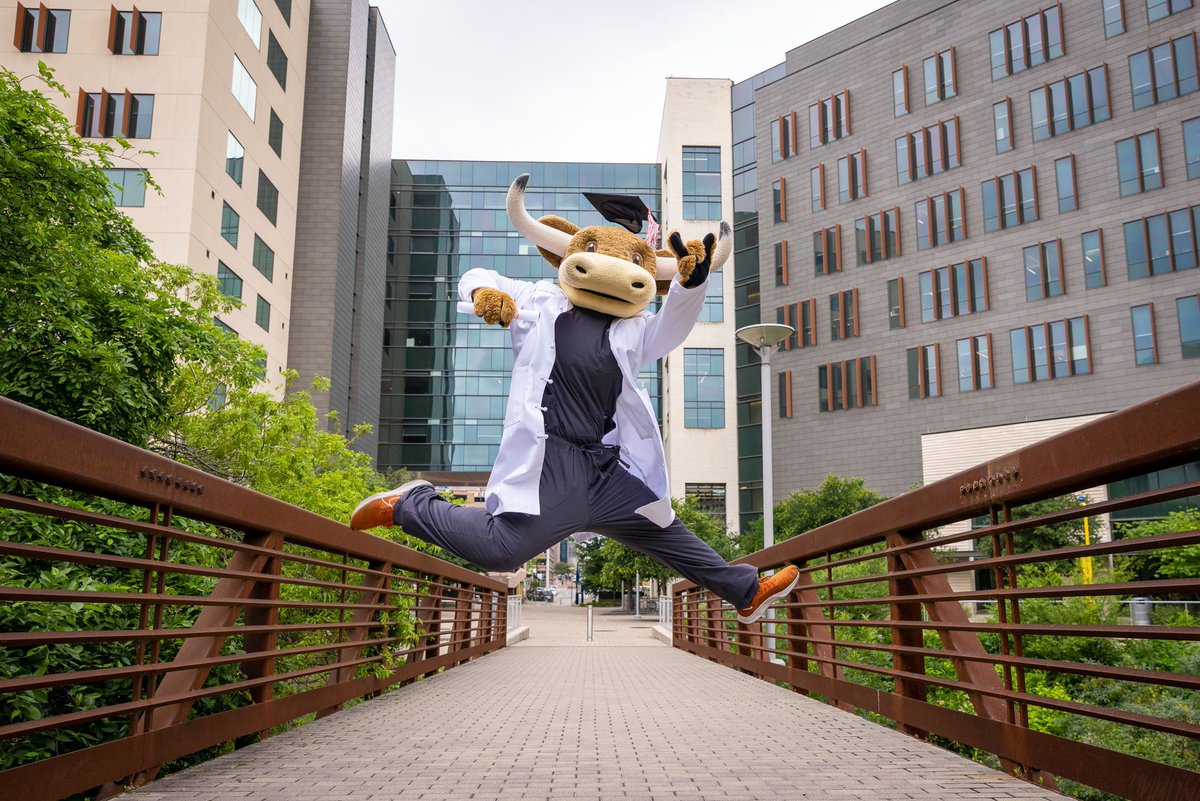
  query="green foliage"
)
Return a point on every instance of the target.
[
  {"x": 1048, "y": 537},
  {"x": 1168, "y": 563},
  {"x": 92, "y": 327},
  {"x": 805, "y": 510}
]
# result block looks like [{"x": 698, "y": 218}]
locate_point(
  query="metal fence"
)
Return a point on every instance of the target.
[
  {"x": 151, "y": 612},
  {"x": 514, "y": 612},
  {"x": 1054, "y": 679},
  {"x": 664, "y": 611}
]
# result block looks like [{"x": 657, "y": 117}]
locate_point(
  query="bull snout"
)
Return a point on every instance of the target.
[{"x": 607, "y": 276}]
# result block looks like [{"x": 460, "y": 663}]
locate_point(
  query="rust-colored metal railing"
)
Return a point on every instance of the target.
[
  {"x": 945, "y": 612},
  {"x": 150, "y": 613}
]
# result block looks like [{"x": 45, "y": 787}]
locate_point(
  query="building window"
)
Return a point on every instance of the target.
[
  {"x": 781, "y": 263},
  {"x": 954, "y": 290},
  {"x": 1074, "y": 102},
  {"x": 1188, "y": 308},
  {"x": 1051, "y": 350},
  {"x": 1145, "y": 341},
  {"x": 783, "y": 136},
  {"x": 285, "y": 8},
  {"x": 1114, "y": 17},
  {"x": 1139, "y": 163},
  {"x": 277, "y": 60},
  {"x": 940, "y": 83},
  {"x": 275, "y": 134},
  {"x": 230, "y": 221},
  {"x": 1002, "y": 122},
  {"x": 703, "y": 388},
  {"x": 900, "y": 92},
  {"x": 263, "y": 259},
  {"x": 877, "y": 236},
  {"x": 975, "y": 363},
  {"x": 134, "y": 33},
  {"x": 103, "y": 115},
  {"x": 235, "y": 158},
  {"x": 1161, "y": 9},
  {"x": 245, "y": 90},
  {"x": 1064, "y": 181},
  {"x": 779, "y": 199},
  {"x": 713, "y": 310},
  {"x": 895, "y": 292},
  {"x": 262, "y": 314},
  {"x": 229, "y": 281},
  {"x": 1044, "y": 271},
  {"x": 926, "y": 152},
  {"x": 1164, "y": 72},
  {"x": 1161, "y": 244},
  {"x": 708, "y": 498},
  {"x": 1191, "y": 147},
  {"x": 802, "y": 316},
  {"x": 852, "y": 176},
  {"x": 940, "y": 220},
  {"x": 251, "y": 19},
  {"x": 219, "y": 323},
  {"x": 1092, "y": 243},
  {"x": 1010, "y": 200},
  {"x": 785, "y": 394},
  {"x": 827, "y": 250},
  {"x": 1026, "y": 43},
  {"x": 843, "y": 315},
  {"x": 42, "y": 30},
  {"x": 829, "y": 119},
  {"x": 846, "y": 385},
  {"x": 268, "y": 198},
  {"x": 816, "y": 182},
  {"x": 924, "y": 372},
  {"x": 128, "y": 187},
  {"x": 701, "y": 183}
]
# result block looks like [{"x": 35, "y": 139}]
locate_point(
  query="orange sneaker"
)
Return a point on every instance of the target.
[
  {"x": 770, "y": 589},
  {"x": 376, "y": 510}
]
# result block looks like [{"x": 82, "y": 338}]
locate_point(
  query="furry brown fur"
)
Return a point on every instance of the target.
[{"x": 494, "y": 306}]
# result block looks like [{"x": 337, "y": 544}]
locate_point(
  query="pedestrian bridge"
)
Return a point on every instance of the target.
[{"x": 155, "y": 617}]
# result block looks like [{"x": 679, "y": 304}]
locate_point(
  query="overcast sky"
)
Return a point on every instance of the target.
[{"x": 544, "y": 80}]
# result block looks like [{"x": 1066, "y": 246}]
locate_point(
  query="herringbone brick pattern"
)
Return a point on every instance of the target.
[{"x": 556, "y": 718}]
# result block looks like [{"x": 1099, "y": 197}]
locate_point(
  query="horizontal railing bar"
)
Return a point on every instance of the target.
[
  {"x": 1065, "y": 590},
  {"x": 1027, "y": 629},
  {"x": 1156, "y": 542},
  {"x": 175, "y": 568},
  {"x": 31, "y": 639},
  {"x": 24, "y": 595},
  {"x": 1184, "y": 680},
  {"x": 26, "y": 683}
]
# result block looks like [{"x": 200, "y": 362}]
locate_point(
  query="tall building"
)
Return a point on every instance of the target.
[
  {"x": 446, "y": 375},
  {"x": 341, "y": 241},
  {"x": 217, "y": 91},
  {"x": 981, "y": 218},
  {"x": 700, "y": 423}
]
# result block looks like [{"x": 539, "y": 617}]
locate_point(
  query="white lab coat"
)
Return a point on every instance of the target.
[{"x": 636, "y": 342}]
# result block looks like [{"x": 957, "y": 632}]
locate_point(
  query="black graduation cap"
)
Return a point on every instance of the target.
[{"x": 627, "y": 211}]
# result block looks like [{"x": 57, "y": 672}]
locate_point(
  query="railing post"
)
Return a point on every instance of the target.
[
  {"x": 265, "y": 641},
  {"x": 905, "y": 636}
]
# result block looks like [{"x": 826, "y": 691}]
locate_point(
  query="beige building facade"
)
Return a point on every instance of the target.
[
  {"x": 699, "y": 388},
  {"x": 216, "y": 91}
]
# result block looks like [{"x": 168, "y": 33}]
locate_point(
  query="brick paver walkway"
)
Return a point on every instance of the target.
[{"x": 556, "y": 718}]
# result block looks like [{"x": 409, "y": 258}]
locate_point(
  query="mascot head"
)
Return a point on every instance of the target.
[{"x": 609, "y": 270}]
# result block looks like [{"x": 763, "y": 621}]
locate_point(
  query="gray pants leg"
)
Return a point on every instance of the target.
[{"x": 506, "y": 541}]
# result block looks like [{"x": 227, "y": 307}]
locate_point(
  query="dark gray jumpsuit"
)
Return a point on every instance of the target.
[{"x": 584, "y": 486}]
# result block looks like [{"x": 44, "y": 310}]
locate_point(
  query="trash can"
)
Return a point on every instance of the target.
[{"x": 1139, "y": 610}]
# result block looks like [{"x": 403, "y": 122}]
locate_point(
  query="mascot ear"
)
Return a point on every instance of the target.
[{"x": 568, "y": 228}]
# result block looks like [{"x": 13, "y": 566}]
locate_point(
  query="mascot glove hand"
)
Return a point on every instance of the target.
[
  {"x": 495, "y": 306},
  {"x": 694, "y": 258}
]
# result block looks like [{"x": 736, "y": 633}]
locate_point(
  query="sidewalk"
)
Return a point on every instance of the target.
[{"x": 555, "y": 718}]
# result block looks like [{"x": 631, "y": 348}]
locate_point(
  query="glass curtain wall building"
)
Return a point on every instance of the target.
[
  {"x": 746, "y": 291},
  {"x": 445, "y": 377}
]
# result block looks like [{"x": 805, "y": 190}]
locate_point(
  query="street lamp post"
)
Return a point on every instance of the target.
[{"x": 763, "y": 338}]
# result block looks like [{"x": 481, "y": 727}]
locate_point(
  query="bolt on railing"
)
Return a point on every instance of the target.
[
  {"x": 153, "y": 611},
  {"x": 942, "y": 612}
]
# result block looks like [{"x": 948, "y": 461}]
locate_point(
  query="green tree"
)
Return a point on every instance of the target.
[
  {"x": 805, "y": 510},
  {"x": 93, "y": 328},
  {"x": 623, "y": 564},
  {"x": 1168, "y": 563}
]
